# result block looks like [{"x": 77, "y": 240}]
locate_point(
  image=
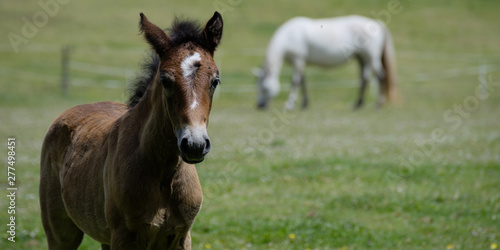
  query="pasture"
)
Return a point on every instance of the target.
[{"x": 423, "y": 174}]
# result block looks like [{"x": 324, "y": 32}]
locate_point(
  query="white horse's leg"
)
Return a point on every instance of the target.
[
  {"x": 305, "y": 97},
  {"x": 379, "y": 70},
  {"x": 297, "y": 80},
  {"x": 365, "y": 74}
]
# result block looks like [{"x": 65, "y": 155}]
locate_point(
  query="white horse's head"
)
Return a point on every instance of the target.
[{"x": 268, "y": 86}]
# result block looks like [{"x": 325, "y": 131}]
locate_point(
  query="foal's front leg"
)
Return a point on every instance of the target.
[{"x": 126, "y": 239}]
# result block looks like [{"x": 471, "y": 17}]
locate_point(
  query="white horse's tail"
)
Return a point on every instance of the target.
[{"x": 389, "y": 64}]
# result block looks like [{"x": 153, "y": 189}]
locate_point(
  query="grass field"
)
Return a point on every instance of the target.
[{"x": 424, "y": 174}]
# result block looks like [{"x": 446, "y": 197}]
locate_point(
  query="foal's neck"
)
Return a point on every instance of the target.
[{"x": 157, "y": 139}]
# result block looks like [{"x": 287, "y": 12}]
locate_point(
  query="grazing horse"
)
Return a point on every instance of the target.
[
  {"x": 124, "y": 174},
  {"x": 328, "y": 43}
]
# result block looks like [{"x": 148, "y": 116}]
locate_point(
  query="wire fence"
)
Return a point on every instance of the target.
[{"x": 120, "y": 77}]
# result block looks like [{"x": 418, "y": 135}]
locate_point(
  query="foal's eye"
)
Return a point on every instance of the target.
[
  {"x": 167, "y": 80},
  {"x": 215, "y": 82}
]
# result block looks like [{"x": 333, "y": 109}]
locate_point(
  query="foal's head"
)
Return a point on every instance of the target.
[{"x": 188, "y": 76}]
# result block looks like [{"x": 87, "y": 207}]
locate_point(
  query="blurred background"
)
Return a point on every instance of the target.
[{"x": 423, "y": 174}]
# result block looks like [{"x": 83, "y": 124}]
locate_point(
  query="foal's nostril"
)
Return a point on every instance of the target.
[
  {"x": 184, "y": 145},
  {"x": 208, "y": 146}
]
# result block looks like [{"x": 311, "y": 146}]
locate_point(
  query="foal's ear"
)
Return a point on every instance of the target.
[
  {"x": 213, "y": 31},
  {"x": 155, "y": 36}
]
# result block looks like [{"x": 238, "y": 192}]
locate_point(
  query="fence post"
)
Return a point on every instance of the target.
[{"x": 65, "y": 69}]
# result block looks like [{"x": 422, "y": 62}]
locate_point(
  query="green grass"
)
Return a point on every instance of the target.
[{"x": 324, "y": 178}]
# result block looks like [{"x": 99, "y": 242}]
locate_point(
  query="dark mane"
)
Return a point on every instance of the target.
[
  {"x": 138, "y": 87},
  {"x": 182, "y": 31}
]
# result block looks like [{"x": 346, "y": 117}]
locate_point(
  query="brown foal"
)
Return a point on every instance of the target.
[{"x": 123, "y": 174}]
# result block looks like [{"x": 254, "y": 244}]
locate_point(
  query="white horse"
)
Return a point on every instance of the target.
[{"x": 329, "y": 42}]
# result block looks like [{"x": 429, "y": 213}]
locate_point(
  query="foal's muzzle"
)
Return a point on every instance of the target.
[{"x": 193, "y": 143}]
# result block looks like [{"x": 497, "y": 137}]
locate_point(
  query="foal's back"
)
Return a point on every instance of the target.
[{"x": 84, "y": 126}]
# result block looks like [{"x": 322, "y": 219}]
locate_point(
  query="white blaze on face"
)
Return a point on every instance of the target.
[
  {"x": 195, "y": 102},
  {"x": 189, "y": 67}
]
